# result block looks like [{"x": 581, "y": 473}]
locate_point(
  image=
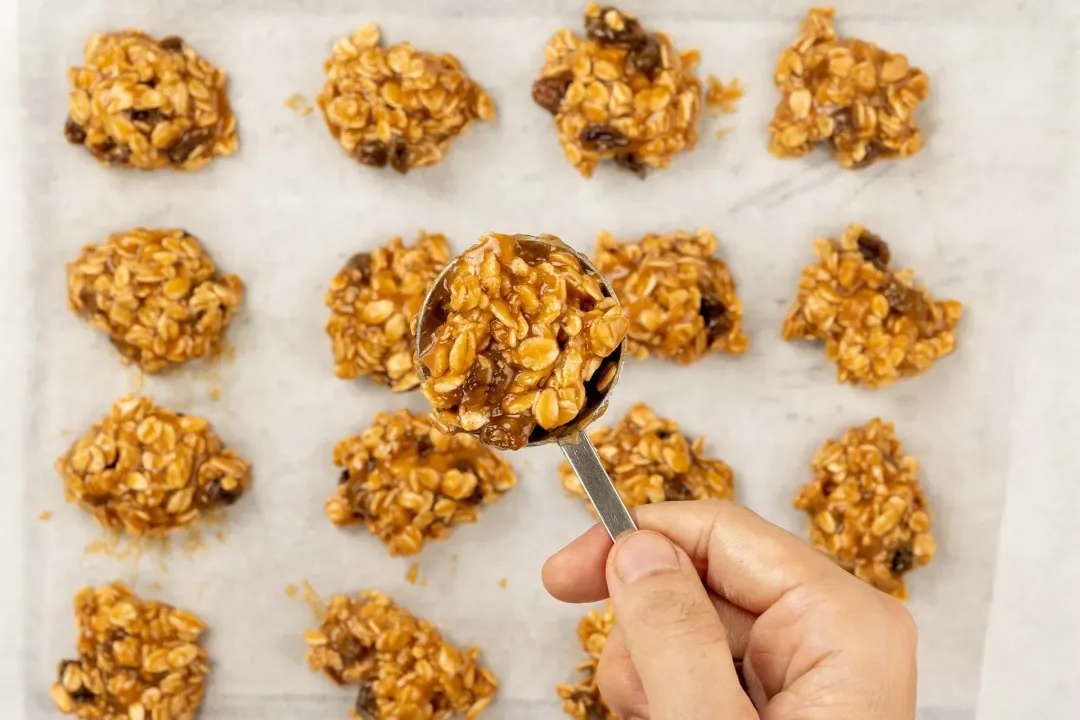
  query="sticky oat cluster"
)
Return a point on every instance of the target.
[
  {"x": 620, "y": 93},
  {"x": 866, "y": 507},
  {"x": 650, "y": 460},
  {"x": 139, "y": 102},
  {"x": 397, "y": 105},
  {"x": 678, "y": 296},
  {"x": 373, "y": 303},
  {"x": 145, "y": 470},
  {"x": 582, "y": 700},
  {"x": 408, "y": 483},
  {"x": 877, "y": 325},
  {"x": 850, "y": 94},
  {"x": 138, "y": 659},
  {"x": 157, "y": 294},
  {"x": 402, "y": 666},
  {"x": 523, "y": 329}
]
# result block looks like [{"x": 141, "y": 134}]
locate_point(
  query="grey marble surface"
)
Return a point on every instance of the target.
[{"x": 988, "y": 213}]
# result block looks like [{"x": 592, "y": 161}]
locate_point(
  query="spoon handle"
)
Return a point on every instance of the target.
[{"x": 586, "y": 463}]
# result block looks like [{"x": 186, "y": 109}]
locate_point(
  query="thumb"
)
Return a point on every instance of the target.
[{"x": 674, "y": 636}]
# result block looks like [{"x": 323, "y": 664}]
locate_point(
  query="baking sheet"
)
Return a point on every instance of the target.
[{"x": 289, "y": 209}]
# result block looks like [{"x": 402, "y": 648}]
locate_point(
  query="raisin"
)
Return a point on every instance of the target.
[
  {"x": 74, "y": 132},
  {"x": 827, "y": 488},
  {"x": 172, "y": 43},
  {"x": 424, "y": 446},
  {"x": 150, "y": 117},
  {"x": 631, "y": 35},
  {"x": 188, "y": 143},
  {"x": 901, "y": 298},
  {"x": 873, "y": 151},
  {"x": 874, "y": 249},
  {"x": 715, "y": 315},
  {"x": 627, "y": 161},
  {"x": 365, "y": 702},
  {"x": 343, "y": 477},
  {"x": 373, "y": 153},
  {"x": 902, "y": 561},
  {"x": 214, "y": 494},
  {"x": 675, "y": 489},
  {"x": 399, "y": 155},
  {"x": 361, "y": 262},
  {"x": 370, "y": 465},
  {"x": 648, "y": 58},
  {"x": 603, "y": 138},
  {"x": 548, "y": 92}
]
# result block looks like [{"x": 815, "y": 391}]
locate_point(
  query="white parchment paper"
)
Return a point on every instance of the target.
[{"x": 290, "y": 208}]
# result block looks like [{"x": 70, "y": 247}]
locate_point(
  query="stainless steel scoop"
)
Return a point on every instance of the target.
[{"x": 571, "y": 437}]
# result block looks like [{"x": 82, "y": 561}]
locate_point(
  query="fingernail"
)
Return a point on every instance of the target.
[{"x": 643, "y": 553}]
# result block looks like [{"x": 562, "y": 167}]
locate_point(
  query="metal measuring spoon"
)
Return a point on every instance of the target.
[{"x": 571, "y": 437}]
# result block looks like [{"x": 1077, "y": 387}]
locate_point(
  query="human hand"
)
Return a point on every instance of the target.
[{"x": 816, "y": 642}]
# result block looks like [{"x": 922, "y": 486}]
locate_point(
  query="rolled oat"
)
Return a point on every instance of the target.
[
  {"x": 138, "y": 659},
  {"x": 678, "y": 296},
  {"x": 650, "y": 460},
  {"x": 853, "y": 95},
  {"x": 408, "y": 483},
  {"x": 373, "y": 302},
  {"x": 402, "y": 665},
  {"x": 876, "y": 324},
  {"x": 582, "y": 700},
  {"x": 397, "y": 106},
  {"x": 524, "y": 331},
  {"x": 866, "y": 507},
  {"x": 145, "y": 470},
  {"x": 157, "y": 294},
  {"x": 139, "y": 102},
  {"x": 620, "y": 93}
]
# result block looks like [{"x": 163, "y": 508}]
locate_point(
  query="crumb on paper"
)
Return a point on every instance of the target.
[
  {"x": 313, "y": 601},
  {"x": 401, "y": 666},
  {"x": 852, "y": 95},
  {"x": 413, "y": 573},
  {"x": 299, "y": 105},
  {"x": 723, "y": 99},
  {"x": 877, "y": 324},
  {"x": 867, "y": 508},
  {"x": 138, "y": 381},
  {"x": 582, "y": 700},
  {"x": 45, "y": 515},
  {"x": 145, "y": 103},
  {"x": 290, "y": 590},
  {"x": 220, "y": 536},
  {"x": 677, "y": 294},
  {"x": 157, "y": 294},
  {"x": 117, "y": 631},
  {"x": 650, "y": 460},
  {"x": 397, "y": 105},
  {"x": 146, "y": 470},
  {"x": 408, "y": 484},
  {"x": 155, "y": 585},
  {"x": 214, "y": 394},
  {"x": 502, "y": 583}
]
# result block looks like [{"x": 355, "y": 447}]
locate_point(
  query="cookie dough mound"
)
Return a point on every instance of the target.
[
  {"x": 866, "y": 507},
  {"x": 397, "y": 105},
  {"x": 408, "y": 483},
  {"x": 146, "y": 470},
  {"x": 139, "y": 102}
]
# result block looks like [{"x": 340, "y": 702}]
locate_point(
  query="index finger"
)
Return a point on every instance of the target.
[{"x": 746, "y": 559}]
